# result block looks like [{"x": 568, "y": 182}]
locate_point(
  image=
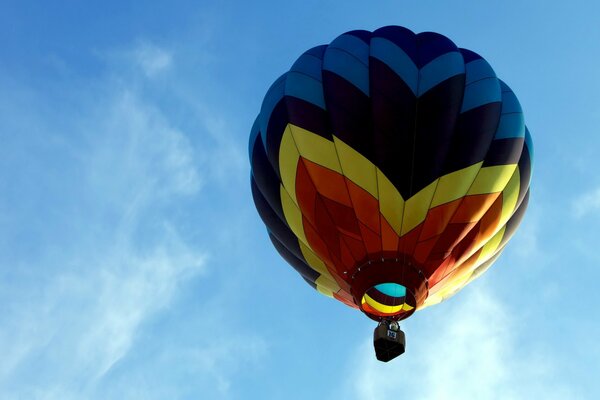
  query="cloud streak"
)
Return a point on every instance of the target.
[
  {"x": 81, "y": 303},
  {"x": 586, "y": 204}
]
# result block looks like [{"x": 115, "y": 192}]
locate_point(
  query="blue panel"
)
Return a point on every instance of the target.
[
  {"x": 348, "y": 67},
  {"x": 391, "y": 289},
  {"x": 253, "y": 135},
  {"x": 395, "y": 58},
  {"x": 273, "y": 96},
  {"x": 352, "y": 45},
  {"x": 438, "y": 70},
  {"x": 306, "y": 88},
  {"x": 469, "y": 55},
  {"x": 481, "y": 92},
  {"x": 308, "y": 65},
  {"x": 510, "y": 126},
  {"x": 401, "y": 37},
  {"x": 510, "y": 103},
  {"x": 317, "y": 51},
  {"x": 477, "y": 70}
]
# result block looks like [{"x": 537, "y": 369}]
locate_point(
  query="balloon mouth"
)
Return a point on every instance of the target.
[
  {"x": 387, "y": 300},
  {"x": 390, "y": 288}
]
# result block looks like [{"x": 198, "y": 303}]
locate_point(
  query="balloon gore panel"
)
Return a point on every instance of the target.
[{"x": 390, "y": 168}]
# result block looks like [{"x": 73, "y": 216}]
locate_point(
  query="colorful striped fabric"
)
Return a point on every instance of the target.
[{"x": 390, "y": 168}]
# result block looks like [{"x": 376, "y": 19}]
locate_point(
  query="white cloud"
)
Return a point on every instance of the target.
[
  {"x": 587, "y": 203},
  {"x": 472, "y": 352},
  {"x": 152, "y": 59}
]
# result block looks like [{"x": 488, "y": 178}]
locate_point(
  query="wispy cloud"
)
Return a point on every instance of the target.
[
  {"x": 586, "y": 203},
  {"x": 152, "y": 59},
  {"x": 472, "y": 352},
  {"x": 116, "y": 257}
]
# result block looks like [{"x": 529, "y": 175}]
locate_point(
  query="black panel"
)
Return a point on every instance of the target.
[
  {"x": 437, "y": 116},
  {"x": 474, "y": 133},
  {"x": 504, "y": 151},
  {"x": 350, "y": 113},
  {"x": 309, "y": 116}
]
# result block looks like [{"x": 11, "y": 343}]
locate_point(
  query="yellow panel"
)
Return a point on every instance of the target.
[
  {"x": 324, "y": 290},
  {"x": 292, "y": 214},
  {"x": 391, "y": 203},
  {"x": 416, "y": 208},
  {"x": 510, "y": 196},
  {"x": 288, "y": 162},
  {"x": 431, "y": 300},
  {"x": 315, "y": 148},
  {"x": 407, "y": 307},
  {"x": 455, "y": 185},
  {"x": 315, "y": 262},
  {"x": 490, "y": 247},
  {"x": 381, "y": 307},
  {"x": 492, "y": 179},
  {"x": 356, "y": 167},
  {"x": 325, "y": 280}
]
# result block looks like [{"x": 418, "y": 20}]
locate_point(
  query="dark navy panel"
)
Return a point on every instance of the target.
[
  {"x": 274, "y": 223},
  {"x": 431, "y": 45},
  {"x": 515, "y": 220},
  {"x": 299, "y": 264},
  {"x": 265, "y": 179}
]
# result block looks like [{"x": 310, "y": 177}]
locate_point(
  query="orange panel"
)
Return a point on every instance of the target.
[
  {"x": 472, "y": 208},
  {"x": 491, "y": 219},
  {"x": 328, "y": 183},
  {"x": 408, "y": 242},
  {"x": 345, "y": 298},
  {"x": 437, "y": 219},
  {"x": 389, "y": 238}
]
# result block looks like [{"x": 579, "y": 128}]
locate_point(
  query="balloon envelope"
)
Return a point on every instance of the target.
[{"x": 390, "y": 168}]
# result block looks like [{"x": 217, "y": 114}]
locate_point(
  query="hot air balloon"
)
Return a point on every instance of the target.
[{"x": 390, "y": 169}]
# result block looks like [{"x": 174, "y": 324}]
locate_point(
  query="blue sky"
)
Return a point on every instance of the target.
[{"x": 134, "y": 266}]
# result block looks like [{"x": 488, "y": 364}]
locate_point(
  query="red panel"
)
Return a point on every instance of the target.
[
  {"x": 438, "y": 270},
  {"x": 423, "y": 249},
  {"x": 365, "y": 206},
  {"x": 306, "y": 194},
  {"x": 346, "y": 256},
  {"x": 328, "y": 183},
  {"x": 316, "y": 243},
  {"x": 356, "y": 247},
  {"x": 343, "y": 217},
  {"x": 371, "y": 239}
]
